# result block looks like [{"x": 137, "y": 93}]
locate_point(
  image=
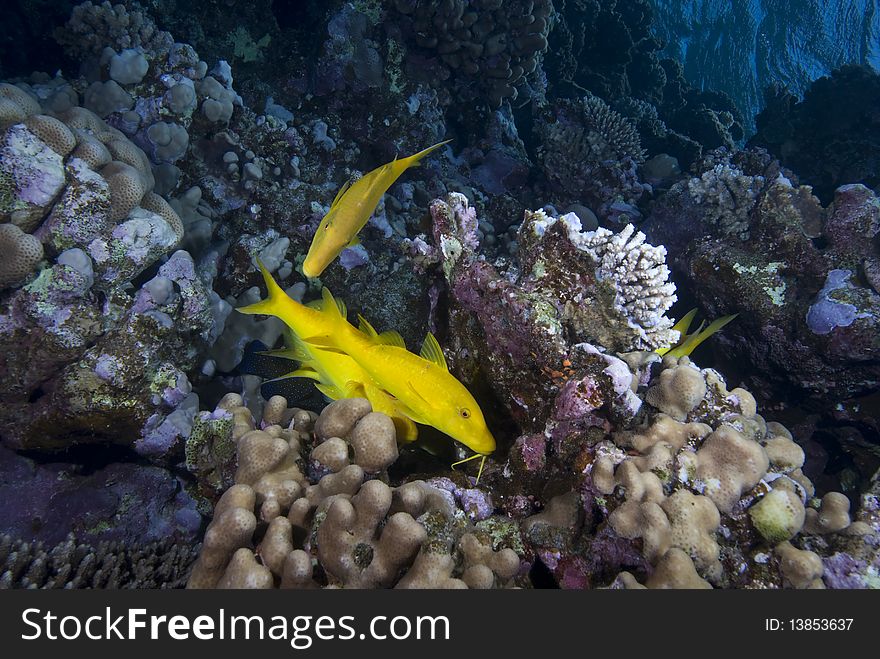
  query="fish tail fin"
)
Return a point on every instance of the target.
[
  {"x": 415, "y": 159},
  {"x": 681, "y": 327},
  {"x": 269, "y": 306},
  {"x": 690, "y": 344}
]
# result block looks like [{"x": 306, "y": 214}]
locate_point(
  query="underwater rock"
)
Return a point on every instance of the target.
[
  {"x": 124, "y": 503},
  {"x": 570, "y": 287},
  {"x": 829, "y": 138},
  {"x": 750, "y": 241},
  {"x": 79, "y": 380}
]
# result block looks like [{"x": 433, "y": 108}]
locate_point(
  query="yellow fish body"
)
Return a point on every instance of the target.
[
  {"x": 350, "y": 210},
  {"x": 424, "y": 388},
  {"x": 337, "y": 375}
]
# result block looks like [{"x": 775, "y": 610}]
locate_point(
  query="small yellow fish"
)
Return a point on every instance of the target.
[
  {"x": 687, "y": 343},
  {"x": 336, "y": 375},
  {"x": 350, "y": 210}
]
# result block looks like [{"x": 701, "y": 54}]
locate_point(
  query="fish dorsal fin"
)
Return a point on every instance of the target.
[
  {"x": 432, "y": 352},
  {"x": 331, "y": 306},
  {"x": 365, "y": 327},
  {"x": 342, "y": 191},
  {"x": 391, "y": 338},
  {"x": 318, "y": 305}
]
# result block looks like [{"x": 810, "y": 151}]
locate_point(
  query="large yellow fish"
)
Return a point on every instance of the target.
[
  {"x": 423, "y": 388},
  {"x": 350, "y": 210},
  {"x": 336, "y": 375}
]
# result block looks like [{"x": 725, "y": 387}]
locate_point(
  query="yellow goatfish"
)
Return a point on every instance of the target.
[
  {"x": 687, "y": 343},
  {"x": 350, "y": 210},
  {"x": 425, "y": 390},
  {"x": 336, "y": 375}
]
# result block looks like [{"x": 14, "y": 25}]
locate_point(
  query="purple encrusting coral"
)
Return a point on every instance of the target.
[
  {"x": 476, "y": 503},
  {"x": 114, "y": 503}
]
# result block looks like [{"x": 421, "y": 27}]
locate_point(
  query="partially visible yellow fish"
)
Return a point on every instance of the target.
[
  {"x": 336, "y": 375},
  {"x": 350, "y": 210},
  {"x": 687, "y": 343}
]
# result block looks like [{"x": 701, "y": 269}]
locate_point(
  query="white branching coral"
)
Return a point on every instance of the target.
[
  {"x": 639, "y": 272},
  {"x": 635, "y": 270}
]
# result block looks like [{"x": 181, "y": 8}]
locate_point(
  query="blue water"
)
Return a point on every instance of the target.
[{"x": 741, "y": 46}]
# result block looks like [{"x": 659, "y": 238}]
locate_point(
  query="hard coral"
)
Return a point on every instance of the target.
[
  {"x": 362, "y": 533},
  {"x": 487, "y": 49},
  {"x": 590, "y": 154}
]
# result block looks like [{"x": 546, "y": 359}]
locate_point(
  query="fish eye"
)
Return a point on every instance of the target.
[{"x": 464, "y": 412}]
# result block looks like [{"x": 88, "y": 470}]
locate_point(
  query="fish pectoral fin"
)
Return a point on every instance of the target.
[
  {"x": 340, "y": 194},
  {"x": 330, "y": 391},
  {"x": 406, "y": 411},
  {"x": 418, "y": 394},
  {"x": 432, "y": 352},
  {"x": 405, "y": 429},
  {"x": 354, "y": 242}
]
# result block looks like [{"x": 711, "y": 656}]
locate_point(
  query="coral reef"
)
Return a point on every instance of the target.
[
  {"x": 590, "y": 154},
  {"x": 71, "y": 564},
  {"x": 570, "y": 289},
  {"x": 830, "y": 137},
  {"x": 750, "y": 240},
  {"x": 291, "y": 507},
  {"x": 139, "y": 190},
  {"x": 487, "y": 49},
  {"x": 609, "y": 49}
]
